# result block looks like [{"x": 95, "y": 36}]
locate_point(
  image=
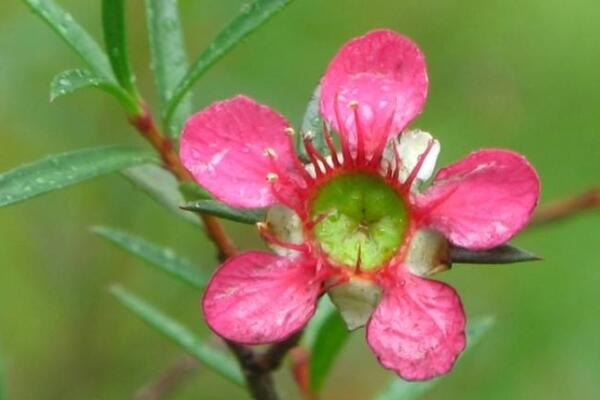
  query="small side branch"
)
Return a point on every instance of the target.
[{"x": 563, "y": 208}]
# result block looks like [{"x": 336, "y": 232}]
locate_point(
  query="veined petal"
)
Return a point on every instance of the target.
[
  {"x": 385, "y": 74},
  {"x": 225, "y": 148},
  {"x": 482, "y": 200},
  {"x": 418, "y": 329},
  {"x": 259, "y": 297}
]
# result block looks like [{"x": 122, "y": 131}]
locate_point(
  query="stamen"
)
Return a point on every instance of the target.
[
  {"x": 406, "y": 185},
  {"x": 342, "y": 131},
  {"x": 317, "y": 159},
  {"x": 331, "y": 146},
  {"x": 270, "y": 152},
  {"x": 266, "y": 233},
  {"x": 397, "y": 160},
  {"x": 360, "y": 133},
  {"x": 383, "y": 140},
  {"x": 320, "y": 218}
]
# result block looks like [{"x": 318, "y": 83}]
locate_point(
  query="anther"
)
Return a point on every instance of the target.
[
  {"x": 270, "y": 152},
  {"x": 290, "y": 131},
  {"x": 353, "y": 104},
  {"x": 272, "y": 177}
]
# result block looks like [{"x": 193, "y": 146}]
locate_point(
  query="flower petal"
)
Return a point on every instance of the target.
[
  {"x": 259, "y": 297},
  {"x": 224, "y": 145},
  {"x": 385, "y": 73},
  {"x": 418, "y": 329},
  {"x": 482, "y": 200}
]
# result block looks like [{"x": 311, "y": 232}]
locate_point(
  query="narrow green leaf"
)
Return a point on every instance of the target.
[
  {"x": 181, "y": 335},
  {"x": 403, "y": 390},
  {"x": 72, "y": 80},
  {"x": 115, "y": 39},
  {"x": 169, "y": 61},
  {"x": 504, "y": 254},
  {"x": 161, "y": 186},
  {"x": 326, "y": 338},
  {"x": 63, "y": 170},
  {"x": 191, "y": 191},
  {"x": 214, "y": 207},
  {"x": 313, "y": 123},
  {"x": 74, "y": 35},
  {"x": 163, "y": 258},
  {"x": 250, "y": 18}
]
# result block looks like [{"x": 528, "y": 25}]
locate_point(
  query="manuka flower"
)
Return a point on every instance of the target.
[{"x": 355, "y": 223}]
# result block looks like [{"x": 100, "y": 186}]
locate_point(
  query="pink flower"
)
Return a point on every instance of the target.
[{"x": 354, "y": 224}]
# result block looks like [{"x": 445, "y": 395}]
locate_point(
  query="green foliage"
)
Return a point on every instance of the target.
[
  {"x": 169, "y": 61},
  {"x": 2, "y": 390},
  {"x": 250, "y": 18},
  {"x": 74, "y": 35},
  {"x": 74, "y": 79},
  {"x": 115, "y": 39},
  {"x": 216, "y": 208},
  {"x": 504, "y": 254},
  {"x": 163, "y": 258},
  {"x": 179, "y": 334},
  {"x": 67, "y": 169},
  {"x": 403, "y": 390},
  {"x": 161, "y": 186},
  {"x": 325, "y": 338}
]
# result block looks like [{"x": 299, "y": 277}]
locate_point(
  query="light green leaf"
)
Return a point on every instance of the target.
[
  {"x": 216, "y": 208},
  {"x": 403, "y": 390},
  {"x": 179, "y": 334},
  {"x": 169, "y": 61},
  {"x": 67, "y": 169},
  {"x": 504, "y": 254},
  {"x": 312, "y": 122},
  {"x": 74, "y": 79},
  {"x": 250, "y": 18},
  {"x": 324, "y": 337},
  {"x": 191, "y": 191},
  {"x": 74, "y": 35},
  {"x": 161, "y": 186},
  {"x": 115, "y": 39},
  {"x": 163, "y": 258}
]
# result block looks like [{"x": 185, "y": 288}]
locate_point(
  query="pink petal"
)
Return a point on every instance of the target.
[
  {"x": 224, "y": 145},
  {"x": 418, "y": 329},
  {"x": 258, "y": 297},
  {"x": 482, "y": 200},
  {"x": 385, "y": 73}
]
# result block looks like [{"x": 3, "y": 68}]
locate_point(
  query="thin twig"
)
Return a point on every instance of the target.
[
  {"x": 566, "y": 207},
  {"x": 257, "y": 369},
  {"x": 166, "y": 383}
]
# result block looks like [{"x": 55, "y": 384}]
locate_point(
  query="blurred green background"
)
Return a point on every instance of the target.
[{"x": 515, "y": 74}]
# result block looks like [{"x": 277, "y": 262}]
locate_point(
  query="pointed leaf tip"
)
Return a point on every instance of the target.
[
  {"x": 218, "y": 209},
  {"x": 505, "y": 254}
]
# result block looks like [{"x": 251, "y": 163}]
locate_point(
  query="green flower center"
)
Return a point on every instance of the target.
[{"x": 364, "y": 217}]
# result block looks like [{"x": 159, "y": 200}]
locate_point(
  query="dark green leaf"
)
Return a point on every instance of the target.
[
  {"x": 403, "y": 390},
  {"x": 214, "y": 207},
  {"x": 74, "y": 35},
  {"x": 251, "y": 17},
  {"x": 161, "y": 186},
  {"x": 115, "y": 39},
  {"x": 179, "y": 334},
  {"x": 191, "y": 191},
  {"x": 313, "y": 123},
  {"x": 169, "y": 61},
  {"x": 504, "y": 254},
  {"x": 324, "y": 337},
  {"x": 163, "y": 258},
  {"x": 67, "y": 169},
  {"x": 74, "y": 79}
]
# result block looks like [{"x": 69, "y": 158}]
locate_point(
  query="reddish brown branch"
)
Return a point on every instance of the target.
[
  {"x": 145, "y": 124},
  {"x": 169, "y": 380},
  {"x": 566, "y": 207}
]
